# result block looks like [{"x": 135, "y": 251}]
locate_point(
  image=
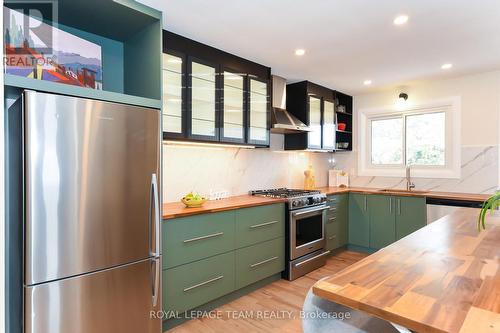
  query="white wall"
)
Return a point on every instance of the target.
[
  {"x": 237, "y": 170},
  {"x": 480, "y": 108}
]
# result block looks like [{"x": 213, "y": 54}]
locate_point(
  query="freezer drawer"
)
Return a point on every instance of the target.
[
  {"x": 90, "y": 171},
  {"x": 114, "y": 300}
]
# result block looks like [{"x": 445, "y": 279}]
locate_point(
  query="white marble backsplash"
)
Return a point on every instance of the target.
[
  {"x": 201, "y": 169},
  {"x": 479, "y": 173}
]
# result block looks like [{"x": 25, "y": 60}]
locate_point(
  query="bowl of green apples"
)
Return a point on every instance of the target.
[{"x": 193, "y": 200}]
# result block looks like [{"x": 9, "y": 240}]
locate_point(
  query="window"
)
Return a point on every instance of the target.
[{"x": 426, "y": 138}]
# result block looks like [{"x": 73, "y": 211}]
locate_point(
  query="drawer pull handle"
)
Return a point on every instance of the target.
[
  {"x": 203, "y": 283},
  {"x": 263, "y": 262},
  {"x": 332, "y": 209},
  {"x": 203, "y": 237},
  {"x": 332, "y": 218},
  {"x": 262, "y": 224},
  {"x": 332, "y": 237}
]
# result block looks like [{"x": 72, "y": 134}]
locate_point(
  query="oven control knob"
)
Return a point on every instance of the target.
[
  {"x": 295, "y": 203},
  {"x": 304, "y": 202}
]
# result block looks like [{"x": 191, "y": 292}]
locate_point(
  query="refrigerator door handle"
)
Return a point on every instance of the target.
[
  {"x": 155, "y": 249},
  {"x": 156, "y": 281}
]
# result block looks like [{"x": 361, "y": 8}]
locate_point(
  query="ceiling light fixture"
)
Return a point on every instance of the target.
[
  {"x": 367, "y": 82},
  {"x": 401, "y": 101},
  {"x": 401, "y": 19},
  {"x": 300, "y": 52},
  {"x": 447, "y": 66}
]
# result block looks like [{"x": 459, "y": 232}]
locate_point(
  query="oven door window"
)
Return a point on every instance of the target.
[{"x": 308, "y": 229}]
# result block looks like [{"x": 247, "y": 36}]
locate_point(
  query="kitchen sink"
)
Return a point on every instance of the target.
[{"x": 391, "y": 190}]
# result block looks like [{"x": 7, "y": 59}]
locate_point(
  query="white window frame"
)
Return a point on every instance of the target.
[{"x": 451, "y": 169}]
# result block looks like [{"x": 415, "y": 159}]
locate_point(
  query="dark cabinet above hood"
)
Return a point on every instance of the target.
[{"x": 282, "y": 121}]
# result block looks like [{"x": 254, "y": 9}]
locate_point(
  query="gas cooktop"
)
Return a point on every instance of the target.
[{"x": 296, "y": 198}]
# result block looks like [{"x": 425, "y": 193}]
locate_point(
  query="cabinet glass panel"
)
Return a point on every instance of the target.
[
  {"x": 328, "y": 125},
  {"x": 172, "y": 93},
  {"x": 315, "y": 122},
  {"x": 233, "y": 106},
  {"x": 203, "y": 100},
  {"x": 258, "y": 111}
]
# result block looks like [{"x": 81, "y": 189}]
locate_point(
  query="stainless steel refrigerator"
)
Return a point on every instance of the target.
[{"x": 92, "y": 261}]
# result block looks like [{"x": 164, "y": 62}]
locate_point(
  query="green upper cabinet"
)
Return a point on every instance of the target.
[
  {"x": 382, "y": 220},
  {"x": 129, "y": 35},
  {"x": 222, "y": 97},
  {"x": 359, "y": 220},
  {"x": 411, "y": 215}
]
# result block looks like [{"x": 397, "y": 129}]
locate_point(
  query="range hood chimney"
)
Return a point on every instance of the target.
[{"x": 282, "y": 121}]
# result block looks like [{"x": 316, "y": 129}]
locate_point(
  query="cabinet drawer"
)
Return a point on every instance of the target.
[
  {"x": 258, "y": 224},
  {"x": 259, "y": 261},
  {"x": 196, "y": 237},
  {"x": 331, "y": 235},
  {"x": 191, "y": 285}
]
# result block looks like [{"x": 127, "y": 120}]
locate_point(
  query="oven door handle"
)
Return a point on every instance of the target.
[
  {"x": 311, "y": 211},
  {"x": 311, "y": 259}
]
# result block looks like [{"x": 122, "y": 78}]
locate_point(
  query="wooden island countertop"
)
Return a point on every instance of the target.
[{"x": 444, "y": 277}]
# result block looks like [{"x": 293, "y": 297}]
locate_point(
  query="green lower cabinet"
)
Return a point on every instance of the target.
[
  {"x": 411, "y": 215},
  {"x": 188, "y": 286},
  {"x": 336, "y": 221},
  {"x": 258, "y": 224},
  {"x": 382, "y": 220},
  {"x": 196, "y": 237},
  {"x": 259, "y": 261},
  {"x": 359, "y": 220}
]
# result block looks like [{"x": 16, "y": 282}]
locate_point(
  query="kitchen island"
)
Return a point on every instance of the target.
[{"x": 444, "y": 277}]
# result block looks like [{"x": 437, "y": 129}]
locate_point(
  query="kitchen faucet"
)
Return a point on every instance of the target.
[{"x": 409, "y": 184}]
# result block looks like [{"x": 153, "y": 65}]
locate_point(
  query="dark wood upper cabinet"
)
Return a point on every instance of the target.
[
  {"x": 316, "y": 106},
  {"x": 223, "y": 98}
]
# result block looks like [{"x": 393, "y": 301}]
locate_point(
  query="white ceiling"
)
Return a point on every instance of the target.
[{"x": 346, "y": 41}]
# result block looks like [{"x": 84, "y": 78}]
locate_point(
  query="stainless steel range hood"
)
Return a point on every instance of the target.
[{"x": 282, "y": 121}]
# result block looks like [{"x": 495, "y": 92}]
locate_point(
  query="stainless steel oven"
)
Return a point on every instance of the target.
[
  {"x": 307, "y": 230},
  {"x": 304, "y": 231}
]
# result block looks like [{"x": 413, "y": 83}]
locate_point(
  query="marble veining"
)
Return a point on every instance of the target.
[{"x": 479, "y": 173}]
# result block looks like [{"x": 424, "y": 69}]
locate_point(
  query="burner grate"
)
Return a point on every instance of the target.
[{"x": 284, "y": 193}]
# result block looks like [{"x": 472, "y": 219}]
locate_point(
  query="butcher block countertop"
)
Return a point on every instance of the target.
[
  {"x": 444, "y": 277},
  {"x": 177, "y": 209},
  {"x": 413, "y": 193}
]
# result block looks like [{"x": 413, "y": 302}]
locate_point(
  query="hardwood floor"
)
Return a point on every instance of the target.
[{"x": 273, "y": 308}]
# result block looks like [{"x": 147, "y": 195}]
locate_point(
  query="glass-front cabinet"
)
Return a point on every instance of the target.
[
  {"x": 258, "y": 129},
  {"x": 328, "y": 125},
  {"x": 213, "y": 96},
  {"x": 315, "y": 122},
  {"x": 202, "y": 101},
  {"x": 233, "y": 103},
  {"x": 173, "y": 95}
]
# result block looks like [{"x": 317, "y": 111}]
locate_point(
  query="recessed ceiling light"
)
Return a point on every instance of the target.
[
  {"x": 401, "y": 19},
  {"x": 367, "y": 82},
  {"x": 446, "y": 66},
  {"x": 300, "y": 52}
]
